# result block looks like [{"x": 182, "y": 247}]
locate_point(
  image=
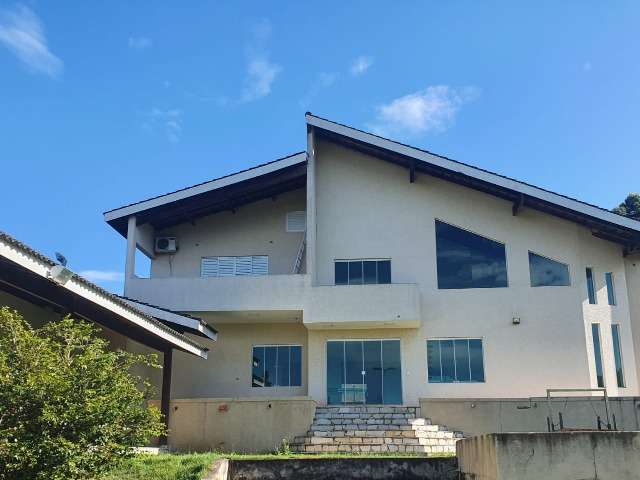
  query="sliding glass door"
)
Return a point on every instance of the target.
[{"x": 364, "y": 372}]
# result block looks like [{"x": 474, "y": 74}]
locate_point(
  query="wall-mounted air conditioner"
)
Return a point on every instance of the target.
[{"x": 166, "y": 245}]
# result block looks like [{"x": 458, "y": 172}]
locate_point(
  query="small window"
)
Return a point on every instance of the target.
[
  {"x": 297, "y": 221},
  {"x": 234, "y": 266},
  {"x": 611, "y": 293},
  {"x": 597, "y": 354},
  {"x": 276, "y": 365},
  {"x": 617, "y": 354},
  {"x": 545, "y": 272},
  {"x": 456, "y": 360},
  {"x": 467, "y": 260},
  {"x": 591, "y": 288},
  {"x": 358, "y": 272}
]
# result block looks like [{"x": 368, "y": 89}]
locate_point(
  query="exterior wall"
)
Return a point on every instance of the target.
[
  {"x": 255, "y": 229},
  {"x": 227, "y": 371},
  {"x": 632, "y": 270},
  {"x": 366, "y": 208},
  {"x": 238, "y": 424},
  {"x": 479, "y": 416}
]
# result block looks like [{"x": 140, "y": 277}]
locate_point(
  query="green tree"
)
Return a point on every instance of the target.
[
  {"x": 630, "y": 207},
  {"x": 69, "y": 407}
]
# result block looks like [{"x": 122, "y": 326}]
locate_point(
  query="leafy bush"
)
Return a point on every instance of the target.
[{"x": 69, "y": 407}]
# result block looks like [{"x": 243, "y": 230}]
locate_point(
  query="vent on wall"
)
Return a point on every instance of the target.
[
  {"x": 234, "y": 266},
  {"x": 297, "y": 221}
]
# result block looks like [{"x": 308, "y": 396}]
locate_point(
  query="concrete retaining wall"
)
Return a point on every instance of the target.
[
  {"x": 550, "y": 456},
  {"x": 244, "y": 425},
  {"x": 481, "y": 416}
]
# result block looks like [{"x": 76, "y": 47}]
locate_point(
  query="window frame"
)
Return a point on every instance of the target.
[
  {"x": 486, "y": 237},
  {"x": 453, "y": 339},
  {"x": 553, "y": 260},
  {"x": 597, "y": 354},
  {"x": 617, "y": 349},
  {"x": 276, "y": 345},
  {"x": 610, "y": 283},
  {"x": 592, "y": 292},
  {"x": 362, "y": 260}
]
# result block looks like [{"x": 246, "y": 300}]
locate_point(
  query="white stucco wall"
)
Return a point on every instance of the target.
[
  {"x": 366, "y": 208},
  {"x": 632, "y": 270},
  {"x": 255, "y": 229}
]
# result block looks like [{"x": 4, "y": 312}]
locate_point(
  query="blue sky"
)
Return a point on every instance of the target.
[{"x": 106, "y": 103}]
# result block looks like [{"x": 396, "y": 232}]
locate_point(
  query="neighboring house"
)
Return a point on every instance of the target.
[{"x": 365, "y": 271}]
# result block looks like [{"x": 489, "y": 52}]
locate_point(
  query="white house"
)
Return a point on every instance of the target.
[{"x": 368, "y": 272}]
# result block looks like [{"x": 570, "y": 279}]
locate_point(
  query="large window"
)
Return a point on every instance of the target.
[
  {"x": 611, "y": 293},
  {"x": 591, "y": 287},
  {"x": 233, "y": 266},
  {"x": 545, "y": 272},
  {"x": 277, "y": 366},
  {"x": 597, "y": 354},
  {"x": 455, "y": 360},
  {"x": 358, "y": 272},
  {"x": 617, "y": 354},
  {"x": 467, "y": 260}
]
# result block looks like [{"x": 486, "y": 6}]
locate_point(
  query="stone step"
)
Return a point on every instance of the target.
[
  {"x": 367, "y": 409},
  {"x": 365, "y": 416},
  {"x": 375, "y": 448},
  {"x": 372, "y": 421},
  {"x": 364, "y": 427},
  {"x": 313, "y": 440}
]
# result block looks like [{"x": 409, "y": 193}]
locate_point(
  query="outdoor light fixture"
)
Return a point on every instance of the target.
[{"x": 516, "y": 320}]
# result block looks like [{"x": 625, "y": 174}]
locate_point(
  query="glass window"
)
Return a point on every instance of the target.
[
  {"x": 591, "y": 288},
  {"x": 597, "y": 353},
  {"x": 467, "y": 260},
  {"x": 617, "y": 353},
  {"x": 455, "y": 360},
  {"x": 279, "y": 365},
  {"x": 357, "y": 272},
  {"x": 611, "y": 293},
  {"x": 545, "y": 272}
]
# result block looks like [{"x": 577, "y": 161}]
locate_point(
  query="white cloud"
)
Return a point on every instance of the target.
[
  {"x": 361, "y": 65},
  {"x": 140, "y": 43},
  {"x": 21, "y": 31},
  {"x": 261, "y": 71},
  {"x": 168, "y": 121},
  {"x": 322, "y": 81},
  {"x": 102, "y": 275},
  {"x": 430, "y": 110}
]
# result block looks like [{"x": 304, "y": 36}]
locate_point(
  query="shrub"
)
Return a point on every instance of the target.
[{"x": 69, "y": 407}]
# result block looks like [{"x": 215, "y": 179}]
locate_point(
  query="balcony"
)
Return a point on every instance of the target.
[{"x": 393, "y": 305}]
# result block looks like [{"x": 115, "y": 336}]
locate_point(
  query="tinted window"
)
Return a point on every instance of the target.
[
  {"x": 296, "y": 366},
  {"x": 258, "y": 367},
  {"x": 384, "y": 271},
  {"x": 357, "y": 272},
  {"x": 545, "y": 272},
  {"x": 369, "y": 270},
  {"x": 591, "y": 288},
  {"x": 342, "y": 273},
  {"x": 458, "y": 360},
  {"x": 611, "y": 294},
  {"x": 277, "y": 365},
  {"x": 597, "y": 353},
  {"x": 467, "y": 260},
  {"x": 617, "y": 354}
]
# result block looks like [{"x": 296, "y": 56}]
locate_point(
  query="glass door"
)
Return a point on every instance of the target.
[{"x": 364, "y": 372}]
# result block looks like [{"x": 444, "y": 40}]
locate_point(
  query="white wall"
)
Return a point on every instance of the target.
[
  {"x": 632, "y": 270},
  {"x": 255, "y": 229},
  {"x": 366, "y": 208}
]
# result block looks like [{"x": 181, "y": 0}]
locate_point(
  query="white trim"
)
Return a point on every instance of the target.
[
  {"x": 39, "y": 267},
  {"x": 474, "y": 172},
  {"x": 176, "y": 318},
  {"x": 205, "y": 187}
]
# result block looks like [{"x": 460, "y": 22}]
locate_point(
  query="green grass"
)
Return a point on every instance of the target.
[{"x": 193, "y": 466}]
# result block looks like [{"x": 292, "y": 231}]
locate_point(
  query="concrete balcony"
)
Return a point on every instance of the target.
[
  {"x": 363, "y": 306},
  {"x": 222, "y": 294}
]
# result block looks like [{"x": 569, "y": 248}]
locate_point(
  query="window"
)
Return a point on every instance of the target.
[
  {"x": 617, "y": 354},
  {"x": 545, "y": 272},
  {"x": 297, "y": 221},
  {"x": 233, "y": 266},
  {"x": 591, "y": 288},
  {"x": 611, "y": 293},
  {"x": 276, "y": 365},
  {"x": 597, "y": 353},
  {"x": 455, "y": 360},
  {"x": 358, "y": 272},
  {"x": 467, "y": 260}
]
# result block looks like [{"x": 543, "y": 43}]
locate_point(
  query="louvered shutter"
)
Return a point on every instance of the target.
[
  {"x": 209, "y": 267},
  {"x": 296, "y": 221},
  {"x": 226, "y": 266},
  {"x": 243, "y": 266},
  {"x": 260, "y": 265}
]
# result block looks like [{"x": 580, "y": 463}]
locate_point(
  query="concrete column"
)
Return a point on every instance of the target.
[
  {"x": 311, "y": 206},
  {"x": 130, "y": 266}
]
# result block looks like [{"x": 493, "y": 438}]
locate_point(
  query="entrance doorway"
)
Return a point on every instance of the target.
[{"x": 364, "y": 372}]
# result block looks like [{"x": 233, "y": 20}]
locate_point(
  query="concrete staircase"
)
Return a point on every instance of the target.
[{"x": 375, "y": 429}]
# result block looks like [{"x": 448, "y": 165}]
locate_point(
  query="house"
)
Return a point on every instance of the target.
[{"x": 368, "y": 272}]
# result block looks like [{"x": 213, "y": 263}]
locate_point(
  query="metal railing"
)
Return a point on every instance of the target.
[{"x": 553, "y": 427}]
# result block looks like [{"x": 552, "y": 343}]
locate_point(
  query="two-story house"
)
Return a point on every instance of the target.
[{"x": 368, "y": 272}]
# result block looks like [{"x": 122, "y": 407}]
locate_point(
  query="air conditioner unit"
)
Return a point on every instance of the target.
[{"x": 166, "y": 245}]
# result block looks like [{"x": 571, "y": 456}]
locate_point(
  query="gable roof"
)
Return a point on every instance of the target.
[
  {"x": 222, "y": 193},
  {"x": 603, "y": 223},
  {"x": 27, "y": 273}
]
